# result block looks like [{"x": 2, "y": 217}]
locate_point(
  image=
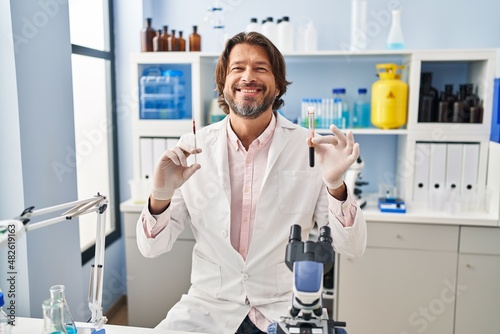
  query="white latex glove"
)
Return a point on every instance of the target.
[
  {"x": 335, "y": 154},
  {"x": 172, "y": 171}
]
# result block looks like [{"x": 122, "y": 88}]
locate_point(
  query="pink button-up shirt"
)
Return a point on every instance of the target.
[{"x": 246, "y": 171}]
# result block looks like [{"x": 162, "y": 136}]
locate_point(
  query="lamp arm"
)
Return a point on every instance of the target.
[{"x": 97, "y": 204}]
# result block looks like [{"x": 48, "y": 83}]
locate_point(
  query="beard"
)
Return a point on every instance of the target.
[{"x": 250, "y": 107}]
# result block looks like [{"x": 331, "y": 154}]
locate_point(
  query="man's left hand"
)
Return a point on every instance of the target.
[{"x": 335, "y": 154}]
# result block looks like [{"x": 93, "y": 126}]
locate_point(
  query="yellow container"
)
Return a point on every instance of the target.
[{"x": 389, "y": 98}]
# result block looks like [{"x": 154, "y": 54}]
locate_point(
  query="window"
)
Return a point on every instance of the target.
[{"x": 94, "y": 117}]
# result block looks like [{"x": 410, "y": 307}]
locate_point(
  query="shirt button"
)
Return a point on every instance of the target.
[
  {"x": 223, "y": 234},
  {"x": 244, "y": 277}
]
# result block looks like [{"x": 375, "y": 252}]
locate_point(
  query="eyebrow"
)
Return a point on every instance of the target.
[{"x": 259, "y": 62}]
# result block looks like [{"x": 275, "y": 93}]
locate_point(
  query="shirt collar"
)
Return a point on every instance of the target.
[{"x": 262, "y": 140}]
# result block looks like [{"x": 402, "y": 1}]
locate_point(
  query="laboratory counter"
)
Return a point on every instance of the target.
[{"x": 32, "y": 325}]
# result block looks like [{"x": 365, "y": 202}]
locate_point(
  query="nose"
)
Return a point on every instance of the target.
[{"x": 248, "y": 75}]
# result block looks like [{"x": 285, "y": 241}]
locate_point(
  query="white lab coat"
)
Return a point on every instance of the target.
[{"x": 224, "y": 286}]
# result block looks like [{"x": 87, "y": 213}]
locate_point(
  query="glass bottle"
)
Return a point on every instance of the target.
[
  {"x": 5, "y": 327},
  {"x": 173, "y": 42},
  {"x": 395, "y": 40},
  {"x": 428, "y": 104},
  {"x": 358, "y": 24},
  {"x": 445, "y": 109},
  {"x": 340, "y": 109},
  {"x": 285, "y": 35},
  {"x": 164, "y": 37},
  {"x": 158, "y": 42},
  {"x": 461, "y": 109},
  {"x": 53, "y": 317},
  {"x": 361, "y": 110},
  {"x": 147, "y": 35},
  {"x": 182, "y": 42},
  {"x": 195, "y": 40},
  {"x": 57, "y": 293}
]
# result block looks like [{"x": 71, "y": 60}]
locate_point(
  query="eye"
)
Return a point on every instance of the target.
[
  {"x": 261, "y": 69},
  {"x": 236, "y": 69}
]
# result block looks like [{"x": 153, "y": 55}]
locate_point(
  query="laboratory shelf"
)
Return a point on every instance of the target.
[
  {"x": 392, "y": 156},
  {"x": 367, "y": 131}
]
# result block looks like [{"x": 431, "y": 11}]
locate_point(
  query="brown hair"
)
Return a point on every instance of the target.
[{"x": 277, "y": 60}]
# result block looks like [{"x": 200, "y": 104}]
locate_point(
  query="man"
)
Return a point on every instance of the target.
[{"x": 252, "y": 182}]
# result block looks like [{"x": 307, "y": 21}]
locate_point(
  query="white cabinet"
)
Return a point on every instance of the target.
[
  {"x": 416, "y": 278},
  {"x": 478, "y": 288},
  {"x": 154, "y": 285},
  {"x": 404, "y": 283}
]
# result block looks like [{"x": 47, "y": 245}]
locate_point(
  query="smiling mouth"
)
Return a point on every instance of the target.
[{"x": 249, "y": 90}]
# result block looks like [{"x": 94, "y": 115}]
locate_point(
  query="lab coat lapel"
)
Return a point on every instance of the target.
[
  {"x": 221, "y": 159},
  {"x": 279, "y": 141}
]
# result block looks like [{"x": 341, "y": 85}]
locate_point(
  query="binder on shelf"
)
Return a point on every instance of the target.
[
  {"x": 470, "y": 167},
  {"x": 147, "y": 166},
  {"x": 437, "y": 175},
  {"x": 454, "y": 158},
  {"x": 495, "y": 119},
  {"x": 421, "y": 176},
  {"x": 159, "y": 147}
]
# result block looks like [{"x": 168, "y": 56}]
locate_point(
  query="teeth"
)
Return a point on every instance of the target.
[{"x": 249, "y": 90}]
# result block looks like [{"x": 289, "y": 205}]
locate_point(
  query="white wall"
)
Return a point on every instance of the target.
[{"x": 426, "y": 23}]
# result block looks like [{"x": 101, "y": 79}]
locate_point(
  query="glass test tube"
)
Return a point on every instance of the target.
[{"x": 310, "y": 114}]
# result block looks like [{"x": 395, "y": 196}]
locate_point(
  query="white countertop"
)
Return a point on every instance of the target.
[
  {"x": 413, "y": 215},
  {"x": 33, "y": 326}
]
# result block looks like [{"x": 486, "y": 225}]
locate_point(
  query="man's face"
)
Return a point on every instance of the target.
[{"x": 250, "y": 88}]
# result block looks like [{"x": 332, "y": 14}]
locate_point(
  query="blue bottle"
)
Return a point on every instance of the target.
[
  {"x": 341, "y": 117},
  {"x": 361, "y": 110}
]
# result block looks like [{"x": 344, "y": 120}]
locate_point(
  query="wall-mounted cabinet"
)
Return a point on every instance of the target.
[{"x": 392, "y": 156}]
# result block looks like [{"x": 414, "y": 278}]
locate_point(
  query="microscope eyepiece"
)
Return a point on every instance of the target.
[
  {"x": 295, "y": 233},
  {"x": 325, "y": 234}
]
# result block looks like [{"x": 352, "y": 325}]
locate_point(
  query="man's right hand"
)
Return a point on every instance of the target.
[{"x": 170, "y": 173}]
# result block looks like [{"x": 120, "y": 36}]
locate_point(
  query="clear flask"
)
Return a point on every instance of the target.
[
  {"x": 5, "y": 327},
  {"x": 395, "y": 40},
  {"x": 53, "y": 317},
  {"x": 57, "y": 293}
]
